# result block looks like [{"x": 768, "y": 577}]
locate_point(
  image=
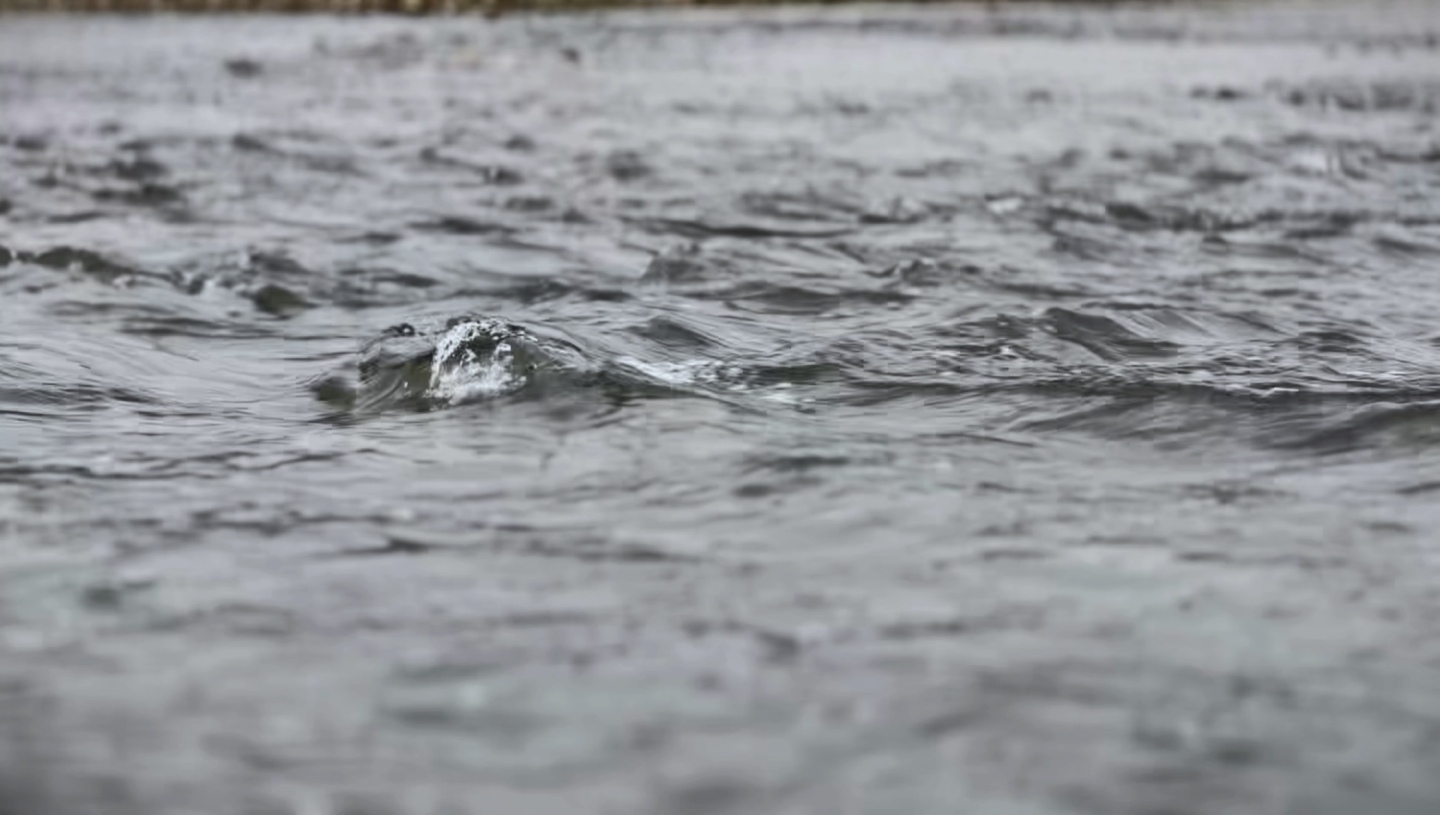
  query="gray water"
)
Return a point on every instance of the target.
[{"x": 952, "y": 410}]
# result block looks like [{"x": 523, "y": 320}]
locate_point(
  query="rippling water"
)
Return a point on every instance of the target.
[{"x": 884, "y": 411}]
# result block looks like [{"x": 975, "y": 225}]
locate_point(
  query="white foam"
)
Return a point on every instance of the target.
[
  {"x": 689, "y": 372},
  {"x": 459, "y": 375}
]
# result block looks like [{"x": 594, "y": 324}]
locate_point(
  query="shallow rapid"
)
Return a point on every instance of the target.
[{"x": 1007, "y": 409}]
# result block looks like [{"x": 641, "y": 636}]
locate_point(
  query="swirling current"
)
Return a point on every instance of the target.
[{"x": 976, "y": 409}]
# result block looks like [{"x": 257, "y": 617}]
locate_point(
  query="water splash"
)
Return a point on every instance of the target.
[{"x": 475, "y": 360}]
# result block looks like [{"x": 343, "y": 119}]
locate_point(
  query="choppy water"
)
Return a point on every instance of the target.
[{"x": 906, "y": 411}]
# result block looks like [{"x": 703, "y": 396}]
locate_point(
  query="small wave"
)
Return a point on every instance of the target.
[
  {"x": 757, "y": 228},
  {"x": 685, "y": 374},
  {"x": 1363, "y": 97}
]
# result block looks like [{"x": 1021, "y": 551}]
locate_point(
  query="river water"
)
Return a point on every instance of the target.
[{"x": 954, "y": 410}]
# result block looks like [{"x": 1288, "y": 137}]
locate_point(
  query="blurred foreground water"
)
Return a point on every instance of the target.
[{"x": 886, "y": 410}]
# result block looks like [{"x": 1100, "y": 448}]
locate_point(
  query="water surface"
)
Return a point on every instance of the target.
[{"x": 941, "y": 410}]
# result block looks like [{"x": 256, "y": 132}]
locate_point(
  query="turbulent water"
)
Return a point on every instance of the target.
[{"x": 897, "y": 411}]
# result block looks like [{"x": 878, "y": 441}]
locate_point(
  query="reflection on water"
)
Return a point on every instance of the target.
[{"x": 1027, "y": 410}]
